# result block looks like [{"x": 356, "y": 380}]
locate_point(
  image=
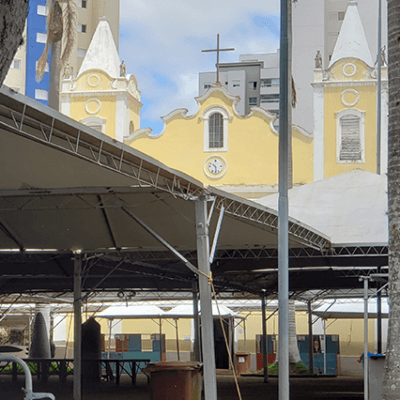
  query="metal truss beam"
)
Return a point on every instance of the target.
[
  {"x": 82, "y": 144},
  {"x": 297, "y": 232}
]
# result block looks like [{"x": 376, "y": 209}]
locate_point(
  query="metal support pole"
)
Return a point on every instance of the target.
[
  {"x": 324, "y": 322},
  {"x": 196, "y": 345},
  {"x": 231, "y": 327},
  {"x": 310, "y": 340},
  {"x": 77, "y": 326},
  {"x": 161, "y": 341},
  {"x": 109, "y": 337},
  {"x": 177, "y": 339},
  {"x": 244, "y": 335},
  {"x": 378, "y": 92},
  {"x": 366, "y": 396},
  {"x": 283, "y": 238},
  {"x": 379, "y": 316},
  {"x": 207, "y": 327},
  {"x": 264, "y": 339}
]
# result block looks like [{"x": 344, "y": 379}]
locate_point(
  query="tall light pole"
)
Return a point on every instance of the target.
[{"x": 283, "y": 238}]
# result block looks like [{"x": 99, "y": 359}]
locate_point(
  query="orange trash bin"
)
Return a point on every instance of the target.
[
  {"x": 175, "y": 380},
  {"x": 242, "y": 363}
]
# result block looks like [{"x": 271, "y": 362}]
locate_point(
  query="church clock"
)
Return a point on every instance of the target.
[{"x": 215, "y": 167}]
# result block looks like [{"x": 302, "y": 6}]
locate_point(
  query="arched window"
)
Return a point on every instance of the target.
[
  {"x": 350, "y": 136},
  {"x": 216, "y": 131},
  {"x": 131, "y": 128},
  {"x": 216, "y": 120}
]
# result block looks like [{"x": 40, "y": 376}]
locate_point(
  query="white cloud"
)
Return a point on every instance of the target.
[{"x": 166, "y": 38}]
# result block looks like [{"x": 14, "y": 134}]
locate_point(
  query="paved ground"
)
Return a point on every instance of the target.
[{"x": 252, "y": 387}]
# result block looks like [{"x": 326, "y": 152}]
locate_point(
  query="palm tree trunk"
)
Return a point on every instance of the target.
[
  {"x": 391, "y": 381},
  {"x": 13, "y": 16},
  {"x": 294, "y": 354},
  {"x": 54, "y": 88}
]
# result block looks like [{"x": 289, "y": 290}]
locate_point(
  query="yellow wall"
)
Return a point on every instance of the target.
[
  {"x": 334, "y": 104},
  {"x": 134, "y": 113},
  {"x": 350, "y": 332},
  {"x": 252, "y": 156}
]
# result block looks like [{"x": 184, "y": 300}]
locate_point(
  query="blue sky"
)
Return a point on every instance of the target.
[{"x": 161, "y": 43}]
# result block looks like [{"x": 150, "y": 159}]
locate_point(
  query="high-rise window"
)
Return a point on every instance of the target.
[
  {"x": 15, "y": 64},
  {"x": 270, "y": 98},
  {"x": 41, "y": 37},
  {"x": 252, "y": 101},
  {"x": 42, "y": 10},
  {"x": 270, "y": 82},
  {"x": 41, "y": 94},
  {"x": 81, "y": 53}
]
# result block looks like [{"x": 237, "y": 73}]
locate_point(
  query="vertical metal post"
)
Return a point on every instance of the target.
[
  {"x": 197, "y": 355},
  {"x": 379, "y": 316},
  {"x": 378, "y": 92},
  {"x": 264, "y": 338},
  {"x": 310, "y": 340},
  {"x": 109, "y": 337},
  {"x": 207, "y": 327},
  {"x": 177, "y": 340},
  {"x": 77, "y": 326},
  {"x": 366, "y": 396},
  {"x": 324, "y": 322},
  {"x": 244, "y": 335},
  {"x": 283, "y": 242},
  {"x": 161, "y": 341},
  {"x": 231, "y": 327},
  {"x": 218, "y": 58}
]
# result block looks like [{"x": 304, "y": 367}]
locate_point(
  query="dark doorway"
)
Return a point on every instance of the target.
[{"x": 221, "y": 353}]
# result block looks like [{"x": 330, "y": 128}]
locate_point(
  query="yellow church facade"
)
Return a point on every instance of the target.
[
  {"x": 345, "y": 106},
  {"x": 239, "y": 153},
  {"x": 102, "y": 95},
  {"x": 221, "y": 148}
]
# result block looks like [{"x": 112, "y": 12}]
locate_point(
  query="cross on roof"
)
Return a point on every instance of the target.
[{"x": 217, "y": 50}]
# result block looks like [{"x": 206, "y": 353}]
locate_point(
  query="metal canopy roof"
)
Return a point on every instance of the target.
[
  {"x": 123, "y": 311},
  {"x": 186, "y": 310},
  {"x": 66, "y": 187},
  {"x": 350, "y": 310}
]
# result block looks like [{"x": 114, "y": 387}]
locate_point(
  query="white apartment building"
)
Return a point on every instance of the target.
[{"x": 255, "y": 79}]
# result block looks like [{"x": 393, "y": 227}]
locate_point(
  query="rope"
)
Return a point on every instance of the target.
[{"x": 210, "y": 282}]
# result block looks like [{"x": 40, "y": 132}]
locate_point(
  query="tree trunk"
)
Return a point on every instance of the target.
[
  {"x": 391, "y": 381},
  {"x": 54, "y": 89},
  {"x": 294, "y": 354},
  {"x": 12, "y": 22}
]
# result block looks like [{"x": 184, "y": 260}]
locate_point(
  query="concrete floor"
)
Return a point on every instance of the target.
[{"x": 252, "y": 387}]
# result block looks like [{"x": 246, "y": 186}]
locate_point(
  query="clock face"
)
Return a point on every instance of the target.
[{"x": 215, "y": 166}]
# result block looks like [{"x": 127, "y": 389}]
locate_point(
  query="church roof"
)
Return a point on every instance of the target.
[
  {"x": 102, "y": 52},
  {"x": 351, "y": 41},
  {"x": 349, "y": 208}
]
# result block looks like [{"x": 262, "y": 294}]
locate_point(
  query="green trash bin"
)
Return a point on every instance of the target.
[{"x": 175, "y": 380}]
